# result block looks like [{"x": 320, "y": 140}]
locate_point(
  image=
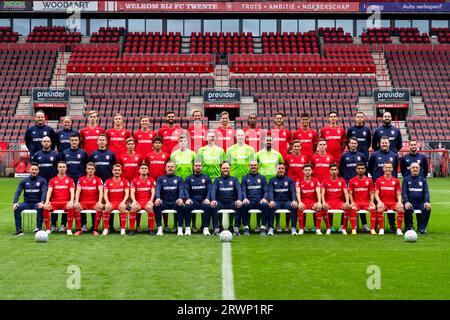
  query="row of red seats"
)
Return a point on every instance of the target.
[
  {"x": 221, "y": 34},
  {"x": 298, "y": 68},
  {"x": 53, "y": 34},
  {"x": 7, "y": 35},
  {"x": 214, "y": 50},
  {"x": 138, "y": 68},
  {"x": 294, "y": 50},
  {"x": 154, "y": 49}
]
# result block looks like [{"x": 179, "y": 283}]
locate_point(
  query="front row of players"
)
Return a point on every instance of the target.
[{"x": 198, "y": 192}]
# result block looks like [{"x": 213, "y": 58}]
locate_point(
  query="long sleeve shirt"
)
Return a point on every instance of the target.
[
  {"x": 347, "y": 165},
  {"x": 415, "y": 190},
  {"x": 282, "y": 189},
  {"x": 377, "y": 160},
  {"x": 394, "y": 134},
  {"x": 408, "y": 159},
  {"x": 104, "y": 161},
  {"x": 34, "y": 190},
  {"x": 169, "y": 188},
  {"x": 34, "y": 135},
  {"x": 47, "y": 161},
  {"x": 226, "y": 190},
  {"x": 364, "y": 137},
  {"x": 197, "y": 187},
  {"x": 254, "y": 187}
]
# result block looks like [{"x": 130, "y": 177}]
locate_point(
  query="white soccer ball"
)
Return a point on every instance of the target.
[
  {"x": 41, "y": 236},
  {"x": 226, "y": 236},
  {"x": 410, "y": 236}
]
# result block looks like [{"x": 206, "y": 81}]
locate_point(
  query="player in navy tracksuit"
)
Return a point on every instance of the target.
[
  {"x": 34, "y": 190},
  {"x": 226, "y": 193},
  {"x": 388, "y": 130},
  {"x": 362, "y": 134},
  {"x": 34, "y": 134},
  {"x": 282, "y": 195},
  {"x": 169, "y": 195},
  {"x": 416, "y": 196},
  {"x": 47, "y": 159},
  {"x": 411, "y": 157},
  {"x": 255, "y": 195},
  {"x": 197, "y": 188},
  {"x": 65, "y": 134}
]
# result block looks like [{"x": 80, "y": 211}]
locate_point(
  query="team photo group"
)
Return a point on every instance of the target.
[{"x": 211, "y": 179}]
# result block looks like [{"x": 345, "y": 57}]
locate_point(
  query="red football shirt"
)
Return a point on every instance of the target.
[
  {"x": 143, "y": 188},
  {"x": 361, "y": 189},
  {"x": 335, "y": 138},
  {"x": 225, "y": 137},
  {"x": 61, "y": 188},
  {"x": 170, "y": 137},
  {"x": 130, "y": 165},
  {"x": 280, "y": 140},
  {"x": 294, "y": 166},
  {"x": 116, "y": 189},
  {"x": 321, "y": 166},
  {"x": 334, "y": 190},
  {"x": 308, "y": 138},
  {"x": 144, "y": 141},
  {"x": 157, "y": 164},
  {"x": 388, "y": 189},
  {"x": 254, "y": 137},
  {"x": 89, "y": 137},
  {"x": 198, "y": 137},
  {"x": 308, "y": 189},
  {"x": 89, "y": 189},
  {"x": 116, "y": 140}
]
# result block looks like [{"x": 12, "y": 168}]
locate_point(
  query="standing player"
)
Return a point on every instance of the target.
[
  {"x": 309, "y": 198},
  {"x": 116, "y": 194},
  {"x": 307, "y": 137},
  {"x": 62, "y": 197},
  {"x": 65, "y": 134},
  {"x": 117, "y": 136},
  {"x": 388, "y": 194},
  {"x": 170, "y": 132},
  {"x": 211, "y": 156},
  {"x": 89, "y": 195},
  {"x": 130, "y": 161},
  {"x": 89, "y": 135},
  {"x": 281, "y": 136},
  {"x": 144, "y": 137},
  {"x": 413, "y": 157},
  {"x": 225, "y": 133},
  {"x": 361, "y": 133},
  {"x": 254, "y": 134},
  {"x": 321, "y": 161},
  {"x": 142, "y": 194},
  {"x": 335, "y": 197},
  {"x": 335, "y": 136},
  {"x": 34, "y": 134},
  {"x": 387, "y": 130},
  {"x": 197, "y": 131},
  {"x": 361, "y": 193},
  {"x": 282, "y": 195},
  {"x": 75, "y": 158},
  {"x": 239, "y": 156},
  {"x": 183, "y": 158}
]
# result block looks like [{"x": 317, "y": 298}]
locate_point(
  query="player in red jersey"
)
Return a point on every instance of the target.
[
  {"x": 116, "y": 193},
  {"x": 197, "y": 131},
  {"x": 294, "y": 165},
  {"x": 170, "y": 132},
  {"x": 254, "y": 134},
  {"x": 61, "y": 199},
  {"x": 336, "y": 137},
  {"x": 144, "y": 137},
  {"x": 117, "y": 136},
  {"x": 142, "y": 193},
  {"x": 361, "y": 193},
  {"x": 89, "y": 193},
  {"x": 334, "y": 197},
  {"x": 321, "y": 161},
  {"x": 130, "y": 161},
  {"x": 225, "y": 134},
  {"x": 89, "y": 135},
  {"x": 281, "y": 137},
  {"x": 388, "y": 194},
  {"x": 307, "y": 136},
  {"x": 308, "y": 195}
]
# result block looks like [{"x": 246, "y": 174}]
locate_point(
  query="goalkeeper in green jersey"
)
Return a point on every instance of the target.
[
  {"x": 211, "y": 156},
  {"x": 239, "y": 156},
  {"x": 183, "y": 158}
]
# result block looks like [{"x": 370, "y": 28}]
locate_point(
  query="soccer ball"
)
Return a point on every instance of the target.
[
  {"x": 410, "y": 236},
  {"x": 41, "y": 236},
  {"x": 226, "y": 236}
]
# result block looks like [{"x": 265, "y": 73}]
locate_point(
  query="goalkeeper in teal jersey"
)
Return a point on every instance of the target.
[
  {"x": 239, "y": 156},
  {"x": 268, "y": 159},
  {"x": 183, "y": 159},
  {"x": 211, "y": 156}
]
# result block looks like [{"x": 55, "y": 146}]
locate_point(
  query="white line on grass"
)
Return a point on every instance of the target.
[{"x": 227, "y": 273}]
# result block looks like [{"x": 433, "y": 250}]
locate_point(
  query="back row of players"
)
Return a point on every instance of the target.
[{"x": 223, "y": 144}]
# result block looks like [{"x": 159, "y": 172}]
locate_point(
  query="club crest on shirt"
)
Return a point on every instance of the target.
[
  {"x": 418, "y": 161},
  {"x": 97, "y": 131},
  {"x": 231, "y": 183},
  {"x": 45, "y": 133},
  {"x": 107, "y": 157},
  {"x": 391, "y": 159},
  {"x": 358, "y": 158},
  {"x": 364, "y": 133},
  {"x": 258, "y": 180},
  {"x": 67, "y": 181},
  {"x": 203, "y": 181},
  {"x": 420, "y": 183},
  {"x": 392, "y": 131},
  {"x": 286, "y": 183},
  {"x": 78, "y": 156},
  {"x": 175, "y": 181},
  {"x": 393, "y": 183},
  {"x": 37, "y": 184},
  {"x": 51, "y": 158}
]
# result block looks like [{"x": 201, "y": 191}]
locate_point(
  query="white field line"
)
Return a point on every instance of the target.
[{"x": 227, "y": 273}]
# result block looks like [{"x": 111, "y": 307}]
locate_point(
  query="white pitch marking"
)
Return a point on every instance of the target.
[{"x": 227, "y": 273}]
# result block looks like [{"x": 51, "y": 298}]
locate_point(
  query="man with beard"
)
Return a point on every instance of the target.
[
  {"x": 387, "y": 130},
  {"x": 34, "y": 134},
  {"x": 170, "y": 132}
]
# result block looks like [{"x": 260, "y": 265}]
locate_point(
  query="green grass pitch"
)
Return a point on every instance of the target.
[{"x": 279, "y": 267}]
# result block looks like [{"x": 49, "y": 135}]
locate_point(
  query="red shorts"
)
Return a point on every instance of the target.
[
  {"x": 309, "y": 204},
  {"x": 335, "y": 205},
  {"x": 115, "y": 205},
  {"x": 362, "y": 206},
  {"x": 58, "y": 206},
  {"x": 389, "y": 206},
  {"x": 88, "y": 205}
]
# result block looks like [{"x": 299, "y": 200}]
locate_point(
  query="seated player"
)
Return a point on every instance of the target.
[
  {"x": 60, "y": 196},
  {"x": 142, "y": 194},
  {"x": 89, "y": 194},
  {"x": 334, "y": 197},
  {"x": 308, "y": 195},
  {"x": 388, "y": 194},
  {"x": 116, "y": 193}
]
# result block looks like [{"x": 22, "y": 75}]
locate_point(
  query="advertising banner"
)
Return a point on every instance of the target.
[
  {"x": 16, "y": 5},
  {"x": 407, "y": 6},
  {"x": 230, "y": 96},
  {"x": 63, "y": 6},
  {"x": 51, "y": 95}
]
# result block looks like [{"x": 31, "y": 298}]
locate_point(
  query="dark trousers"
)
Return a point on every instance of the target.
[
  {"x": 282, "y": 205},
  {"x": 254, "y": 205},
  {"x": 27, "y": 206},
  {"x": 206, "y": 219},
  {"x": 169, "y": 205},
  {"x": 220, "y": 206},
  {"x": 54, "y": 218},
  {"x": 422, "y": 218}
]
